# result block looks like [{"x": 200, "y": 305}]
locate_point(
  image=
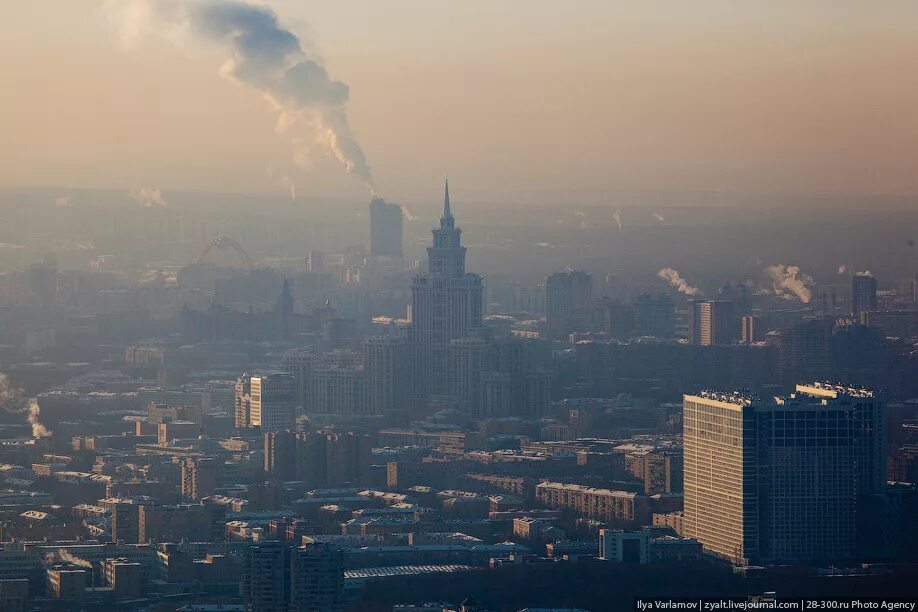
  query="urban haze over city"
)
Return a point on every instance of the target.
[{"x": 429, "y": 306}]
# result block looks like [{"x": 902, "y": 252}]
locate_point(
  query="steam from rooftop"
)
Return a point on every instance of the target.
[
  {"x": 148, "y": 197},
  {"x": 14, "y": 401},
  {"x": 675, "y": 279},
  {"x": 788, "y": 282},
  {"x": 67, "y": 557}
]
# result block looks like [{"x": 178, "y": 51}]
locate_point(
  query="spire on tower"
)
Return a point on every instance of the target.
[{"x": 446, "y": 211}]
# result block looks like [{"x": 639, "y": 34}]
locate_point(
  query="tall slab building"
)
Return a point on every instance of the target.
[
  {"x": 778, "y": 481},
  {"x": 385, "y": 229}
]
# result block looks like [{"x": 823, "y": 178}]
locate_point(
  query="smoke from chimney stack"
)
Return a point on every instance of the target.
[{"x": 265, "y": 56}]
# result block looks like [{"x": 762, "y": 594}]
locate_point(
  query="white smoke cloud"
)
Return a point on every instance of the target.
[
  {"x": 617, "y": 215},
  {"x": 263, "y": 55},
  {"x": 580, "y": 213},
  {"x": 63, "y": 201},
  {"x": 789, "y": 282},
  {"x": 33, "y": 412},
  {"x": 8, "y": 393},
  {"x": 14, "y": 401},
  {"x": 407, "y": 215},
  {"x": 659, "y": 217},
  {"x": 676, "y": 280},
  {"x": 864, "y": 273},
  {"x": 842, "y": 268},
  {"x": 148, "y": 197},
  {"x": 67, "y": 557}
]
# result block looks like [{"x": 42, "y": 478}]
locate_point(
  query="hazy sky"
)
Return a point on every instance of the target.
[{"x": 512, "y": 99}]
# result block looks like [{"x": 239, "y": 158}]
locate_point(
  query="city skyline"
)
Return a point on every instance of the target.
[{"x": 425, "y": 306}]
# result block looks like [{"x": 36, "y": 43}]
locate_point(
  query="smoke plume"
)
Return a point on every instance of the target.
[
  {"x": 659, "y": 217},
  {"x": 788, "y": 282},
  {"x": 34, "y": 410},
  {"x": 674, "y": 279},
  {"x": 63, "y": 201},
  {"x": 13, "y": 401},
  {"x": 270, "y": 59},
  {"x": 148, "y": 197},
  {"x": 842, "y": 269},
  {"x": 8, "y": 393},
  {"x": 617, "y": 215},
  {"x": 65, "y": 556},
  {"x": 407, "y": 215}
]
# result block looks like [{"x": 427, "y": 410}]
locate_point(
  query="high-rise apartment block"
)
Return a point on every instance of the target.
[
  {"x": 265, "y": 585},
  {"x": 278, "y": 576},
  {"x": 749, "y": 329},
  {"x": 242, "y": 393},
  {"x": 385, "y": 229},
  {"x": 199, "y": 478},
  {"x": 320, "y": 459},
  {"x": 713, "y": 322},
  {"x": 271, "y": 403},
  {"x": 316, "y": 579},
  {"x": 654, "y": 315},
  {"x": 863, "y": 294},
  {"x": 388, "y": 373},
  {"x": 568, "y": 303}
]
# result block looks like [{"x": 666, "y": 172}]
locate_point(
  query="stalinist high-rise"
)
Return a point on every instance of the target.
[{"x": 446, "y": 305}]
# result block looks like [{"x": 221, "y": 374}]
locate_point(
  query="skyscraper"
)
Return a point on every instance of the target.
[
  {"x": 654, "y": 316},
  {"x": 720, "y": 476},
  {"x": 568, "y": 303},
  {"x": 337, "y": 387},
  {"x": 863, "y": 294},
  {"x": 749, "y": 326},
  {"x": 496, "y": 395},
  {"x": 771, "y": 482},
  {"x": 280, "y": 455},
  {"x": 242, "y": 401},
  {"x": 467, "y": 359},
  {"x": 272, "y": 402},
  {"x": 446, "y": 304},
  {"x": 712, "y": 322},
  {"x": 385, "y": 361},
  {"x": 869, "y": 430},
  {"x": 385, "y": 229}
]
